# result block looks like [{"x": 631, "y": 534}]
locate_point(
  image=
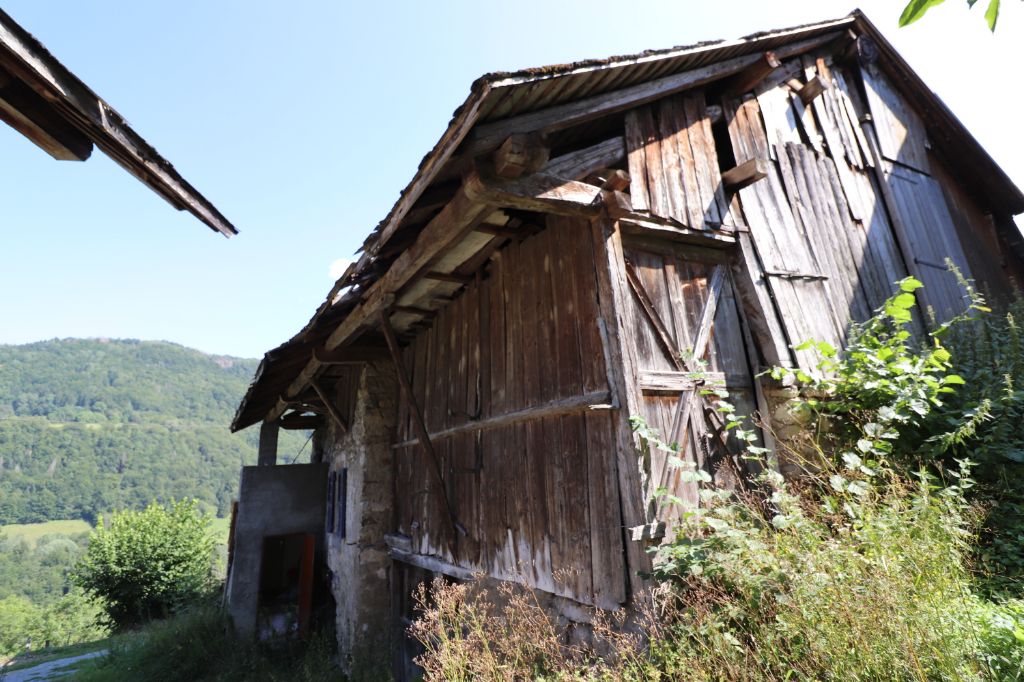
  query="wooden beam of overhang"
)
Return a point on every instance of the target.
[
  {"x": 488, "y": 136},
  {"x": 457, "y": 219}
]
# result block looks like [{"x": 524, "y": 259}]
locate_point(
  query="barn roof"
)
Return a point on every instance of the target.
[
  {"x": 503, "y": 103},
  {"x": 48, "y": 104}
]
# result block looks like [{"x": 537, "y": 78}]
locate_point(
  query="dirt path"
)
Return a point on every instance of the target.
[{"x": 47, "y": 671}]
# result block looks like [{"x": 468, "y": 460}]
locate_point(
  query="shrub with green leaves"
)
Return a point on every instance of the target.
[{"x": 147, "y": 564}]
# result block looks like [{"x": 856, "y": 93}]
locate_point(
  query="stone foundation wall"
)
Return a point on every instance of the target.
[{"x": 359, "y": 561}]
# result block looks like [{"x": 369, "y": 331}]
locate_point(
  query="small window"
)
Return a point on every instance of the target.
[
  {"x": 331, "y": 483},
  {"x": 340, "y": 502}
]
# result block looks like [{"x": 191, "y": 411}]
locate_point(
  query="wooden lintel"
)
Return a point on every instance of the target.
[
  {"x": 414, "y": 310},
  {"x": 350, "y": 355},
  {"x": 747, "y": 80},
  {"x": 520, "y": 153},
  {"x": 451, "y": 277},
  {"x": 433, "y": 564},
  {"x": 329, "y": 406},
  {"x": 535, "y": 192},
  {"x": 634, "y": 224},
  {"x": 745, "y": 174},
  {"x": 811, "y": 89},
  {"x": 498, "y": 230}
]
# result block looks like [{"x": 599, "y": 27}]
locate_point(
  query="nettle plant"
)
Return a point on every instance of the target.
[{"x": 868, "y": 414}]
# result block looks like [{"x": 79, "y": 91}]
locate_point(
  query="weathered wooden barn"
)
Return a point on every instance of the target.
[
  {"x": 48, "y": 104},
  {"x": 580, "y": 240}
]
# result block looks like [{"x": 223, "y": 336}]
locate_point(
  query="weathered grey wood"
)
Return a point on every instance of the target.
[
  {"x": 618, "y": 326},
  {"x": 267, "y": 454},
  {"x": 433, "y": 564},
  {"x": 582, "y": 162},
  {"x": 600, "y": 400},
  {"x": 459, "y": 217},
  {"x": 657, "y": 381},
  {"x": 487, "y": 136},
  {"x": 664, "y": 338},
  {"x": 535, "y": 192},
  {"x": 417, "y": 415},
  {"x": 634, "y": 224},
  {"x": 745, "y": 174}
]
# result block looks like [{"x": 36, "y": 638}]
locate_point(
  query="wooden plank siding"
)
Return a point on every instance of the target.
[{"x": 506, "y": 375}]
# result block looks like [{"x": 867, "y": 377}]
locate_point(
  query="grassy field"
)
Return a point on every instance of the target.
[{"x": 34, "y": 531}]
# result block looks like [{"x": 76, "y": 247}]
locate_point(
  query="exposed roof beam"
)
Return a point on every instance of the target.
[{"x": 488, "y": 136}]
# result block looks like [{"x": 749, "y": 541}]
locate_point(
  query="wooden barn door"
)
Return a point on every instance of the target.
[{"x": 688, "y": 336}]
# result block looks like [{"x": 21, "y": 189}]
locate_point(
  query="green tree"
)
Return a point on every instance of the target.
[
  {"x": 916, "y": 9},
  {"x": 147, "y": 564}
]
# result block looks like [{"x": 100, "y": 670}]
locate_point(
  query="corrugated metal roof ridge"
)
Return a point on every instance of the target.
[{"x": 500, "y": 79}]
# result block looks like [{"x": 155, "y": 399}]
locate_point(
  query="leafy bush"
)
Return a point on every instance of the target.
[
  {"x": 148, "y": 564},
  {"x": 27, "y": 626}
]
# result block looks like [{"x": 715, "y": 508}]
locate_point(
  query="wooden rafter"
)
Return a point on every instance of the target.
[{"x": 329, "y": 406}]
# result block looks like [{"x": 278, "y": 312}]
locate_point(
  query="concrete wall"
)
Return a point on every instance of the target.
[
  {"x": 272, "y": 500},
  {"x": 359, "y": 561}
]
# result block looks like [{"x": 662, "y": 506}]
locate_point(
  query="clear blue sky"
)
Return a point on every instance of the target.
[{"x": 302, "y": 121}]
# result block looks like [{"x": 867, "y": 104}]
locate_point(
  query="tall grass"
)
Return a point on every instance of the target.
[
  {"x": 858, "y": 569},
  {"x": 199, "y": 645}
]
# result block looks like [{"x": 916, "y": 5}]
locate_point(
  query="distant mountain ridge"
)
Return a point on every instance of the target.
[{"x": 91, "y": 425}]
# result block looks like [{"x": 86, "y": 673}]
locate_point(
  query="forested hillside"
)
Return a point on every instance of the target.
[{"x": 88, "y": 426}]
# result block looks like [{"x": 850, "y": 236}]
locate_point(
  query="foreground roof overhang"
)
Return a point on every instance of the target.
[
  {"x": 549, "y": 99},
  {"x": 48, "y": 104}
]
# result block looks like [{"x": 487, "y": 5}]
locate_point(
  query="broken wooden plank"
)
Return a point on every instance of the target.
[
  {"x": 663, "y": 381},
  {"x": 745, "y": 174}
]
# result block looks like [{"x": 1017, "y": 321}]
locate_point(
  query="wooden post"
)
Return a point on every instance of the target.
[
  {"x": 268, "y": 443},
  {"x": 623, "y": 376}
]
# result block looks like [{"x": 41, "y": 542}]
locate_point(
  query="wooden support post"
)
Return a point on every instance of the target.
[
  {"x": 747, "y": 173},
  {"x": 329, "y": 405},
  {"x": 268, "y": 443},
  {"x": 747, "y": 80},
  {"x": 623, "y": 373},
  {"x": 520, "y": 153},
  {"x": 417, "y": 417}
]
